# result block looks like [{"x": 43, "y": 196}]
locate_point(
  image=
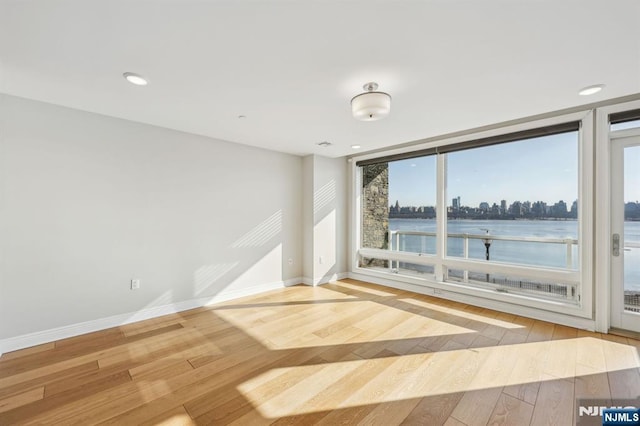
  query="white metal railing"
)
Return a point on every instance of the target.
[
  {"x": 398, "y": 245},
  {"x": 421, "y": 254},
  {"x": 394, "y": 236}
]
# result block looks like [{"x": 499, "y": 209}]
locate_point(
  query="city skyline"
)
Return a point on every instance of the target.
[
  {"x": 451, "y": 203},
  {"x": 502, "y": 210},
  {"x": 541, "y": 169}
]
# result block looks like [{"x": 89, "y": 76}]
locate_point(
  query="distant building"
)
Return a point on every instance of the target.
[
  {"x": 632, "y": 211},
  {"x": 455, "y": 203},
  {"x": 560, "y": 209},
  {"x": 484, "y": 206},
  {"x": 516, "y": 209},
  {"x": 539, "y": 209},
  {"x": 503, "y": 207}
]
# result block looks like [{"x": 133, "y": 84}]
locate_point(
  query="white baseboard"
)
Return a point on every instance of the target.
[
  {"x": 46, "y": 336},
  {"x": 325, "y": 279},
  {"x": 510, "y": 308}
]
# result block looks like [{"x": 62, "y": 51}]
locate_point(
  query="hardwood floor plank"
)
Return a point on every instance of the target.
[
  {"x": 433, "y": 410},
  {"x": 20, "y": 386},
  {"x": 513, "y": 338},
  {"x": 390, "y": 413},
  {"x": 523, "y": 325},
  {"x": 161, "y": 369},
  {"x": 475, "y": 407},
  {"x": 175, "y": 417},
  {"x": 527, "y": 392},
  {"x": 624, "y": 384},
  {"x": 87, "y": 382},
  {"x": 555, "y": 403},
  {"x": 451, "y": 421},
  {"x": 540, "y": 331},
  {"x": 482, "y": 341},
  {"x": 209, "y": 385},
  {"x": 591, "y": 384},
  {"x": 27, "y": 351},
  {"x": 21, "y": 399},
  {"x": 345, "y": 353},
  {"x": 38, "y": 412},
  {"x": 511, "y": 411},
  {"x": 561, "y": 332},
  {"x": 561, "y": 357}
]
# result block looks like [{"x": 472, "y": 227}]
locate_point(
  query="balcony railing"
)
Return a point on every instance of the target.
[
  {"x": 396, "y": 242},
  {"x": 500, "y": 282}
]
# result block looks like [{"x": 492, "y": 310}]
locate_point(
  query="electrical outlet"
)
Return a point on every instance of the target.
[
  {"x": 290, "y": 261},
  {"x": 321, "y": 260},
  {"x": 135, "y": 284}
]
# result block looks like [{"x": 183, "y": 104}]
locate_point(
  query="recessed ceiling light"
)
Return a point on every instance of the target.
[
  {"x": 136, "y": 79},
  {"x": 324, "y": 144},
  {"x": 242, "y": 117},
  {"x": 590, "y": 90},
  {"x": 355, "y": 146}
]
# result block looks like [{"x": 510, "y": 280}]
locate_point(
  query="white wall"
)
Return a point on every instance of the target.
[
  {"x": 307, "y": 217},
  {"x": 88, "y": 202},
  {"x": 325, "y": 218}
]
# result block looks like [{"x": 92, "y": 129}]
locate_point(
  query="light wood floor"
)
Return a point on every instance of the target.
[{"x": 344, "y": 353}]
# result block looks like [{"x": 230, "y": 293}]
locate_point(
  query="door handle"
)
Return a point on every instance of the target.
[{"x": 616, "y": 245}]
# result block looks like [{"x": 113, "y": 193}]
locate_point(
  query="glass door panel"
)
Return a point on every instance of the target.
[{"x": 625, "y": 191}]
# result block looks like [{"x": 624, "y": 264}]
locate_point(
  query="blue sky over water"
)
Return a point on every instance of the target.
[{"x": 540, "y": 169}]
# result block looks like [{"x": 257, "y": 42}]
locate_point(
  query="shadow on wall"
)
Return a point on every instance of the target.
[
  {"x": 326, "y": 232},
  {"x": 323, "y": 198},
  {"x": 255, "y": 257},
  {"x": 252, "y": 260},
  {"x": 261, "y": 234}
]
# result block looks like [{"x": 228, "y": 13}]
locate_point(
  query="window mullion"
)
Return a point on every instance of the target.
[{"x": 441, "y": 215}]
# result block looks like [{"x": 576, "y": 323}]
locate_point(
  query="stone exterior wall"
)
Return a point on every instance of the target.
[{"x": 375, "y": 210}]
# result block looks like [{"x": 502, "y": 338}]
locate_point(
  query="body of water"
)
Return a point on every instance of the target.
[{"x": 519, "y": 252}]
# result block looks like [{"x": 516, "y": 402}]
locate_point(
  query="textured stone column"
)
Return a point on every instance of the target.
[{"x": 375, "y": 210}]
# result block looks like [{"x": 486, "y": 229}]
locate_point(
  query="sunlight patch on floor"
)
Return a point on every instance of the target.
[
  {"x": 456, "y": 311},
  {"x": 148, "y": 391},
  {"x": 311, "y": 388},
  {"x": 283, "y": 332}
]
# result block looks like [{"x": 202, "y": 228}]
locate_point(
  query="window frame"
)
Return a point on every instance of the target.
[
  {"x": 602, "y": 250},
  {"x": 583, "y": 277}
]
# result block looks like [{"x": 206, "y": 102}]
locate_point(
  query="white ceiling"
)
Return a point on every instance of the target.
[{"x": 292, "y": 67}]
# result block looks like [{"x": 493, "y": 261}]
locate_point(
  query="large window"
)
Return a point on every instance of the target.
[
  {"x": 515, "y": 203},
  {"x": 508, "y": 219},
  {"x": 399, "y": 213}
]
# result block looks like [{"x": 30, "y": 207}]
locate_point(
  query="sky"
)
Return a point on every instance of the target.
[
  {"x": 632, "y": 174},
  {"x": 540, "y": 169}
]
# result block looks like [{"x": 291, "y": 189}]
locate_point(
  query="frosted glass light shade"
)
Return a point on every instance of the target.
[{"x": 371, "y": 106}]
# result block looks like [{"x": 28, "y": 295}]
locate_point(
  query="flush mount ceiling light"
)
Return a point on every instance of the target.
[
  {"x": 590, "y": 90},
  {"x": 371, "y": 105},
  {"x": 355, "y": 146},
  {"x": 136, "y": 79}
]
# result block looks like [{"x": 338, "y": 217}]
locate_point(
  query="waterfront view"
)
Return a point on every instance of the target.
[
  {"x": 515, "y": 202},
  {"x": 519, "y": 252}
]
